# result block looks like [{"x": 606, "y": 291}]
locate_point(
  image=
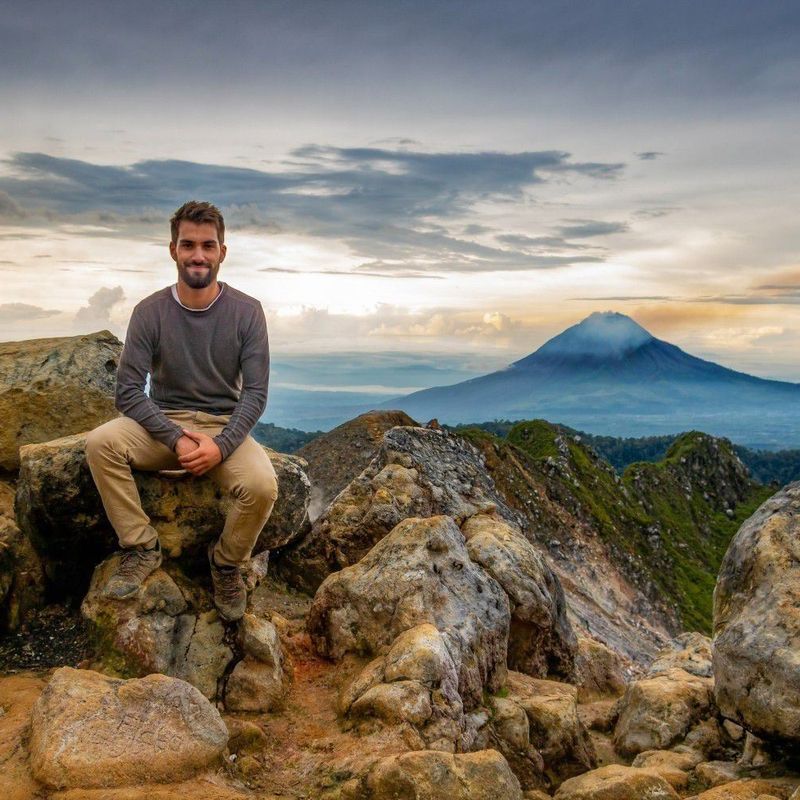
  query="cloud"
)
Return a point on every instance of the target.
[
  {"x": 9, "y": 208},
  {"x": 13, "y": 312},
  {"x": 362, "y": 271},
  {"x": 587, "y": 228},
  {"x": 649, "y": 155},
  {"x": 390, "y": 205},
  {"x": 98, "y": 310},
  {"x": 539, "y": 243}
]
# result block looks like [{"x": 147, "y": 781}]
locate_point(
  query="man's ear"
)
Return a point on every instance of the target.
[
  {"x": 173, "y": 251},
  {"x": 223, "y": 250}
]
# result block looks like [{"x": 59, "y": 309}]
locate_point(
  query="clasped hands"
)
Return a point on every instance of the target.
[{"x": 197, "y": 452}]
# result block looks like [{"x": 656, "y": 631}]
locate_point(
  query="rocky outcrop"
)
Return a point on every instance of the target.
[
  {"x": 54, "y": 387},
  {"x": 656, "y": 712},
  {"x": 88, "y": 730},
  {"x": 429, "y": 775},
  {"x": 689, "y": 651},
  {"x": 338, "y": 456},
  {"x": 58, "y": 507},
  {"x": 420, "y": 573},
  {"x": 417, "y": 472},
  {"x": 541, "y": 640},
  {"x": 616, "y": 782},
  {"x": 599, "y": 671},
  {"x": 757, "y": 622}
]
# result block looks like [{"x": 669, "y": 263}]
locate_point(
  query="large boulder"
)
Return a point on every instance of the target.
[
  {"x": 417, "y": 472},
  {"x": 658, "y": 711},
  {"x": 420, "y": 573},
  {"x": 54, "y": 387},
  {"x": 541, "y": 641},
  {"x": 58, "y": 507},
  {"x": 757, "y": 622},
  {"x": 88, "y": 730},
  {"x": 338, "y": 456},
  {"x": 617, "y": 782},
  {"x": 170, "y": 627},
  {"x": 688, "y": 651},
  {"x": 429, "y": 775}
]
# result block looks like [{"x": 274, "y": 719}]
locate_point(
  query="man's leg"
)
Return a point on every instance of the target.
[
  {"x": 248, "y": 475},
  {"x": 111, "y": 450}
]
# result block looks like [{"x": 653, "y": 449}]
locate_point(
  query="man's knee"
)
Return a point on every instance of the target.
[
  {"x": 260, "y": 490},
  {"x": 98, "y": 440}
]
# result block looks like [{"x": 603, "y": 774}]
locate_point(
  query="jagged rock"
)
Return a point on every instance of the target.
[
  {"x": 541, "y": 641},
  {"x": 757, "y": 622},
  {"x": 419, "y": 573},
  {"x": 510, "y": 733},
  {"x": 704, "y": 738},
  {"x": 747, "y": 789},
  {"x": 88, "y": 730},
  {"x": 616, "y": 782},
  {"x": 429, "y": 775},
  {"x": 688, "y": 651},
  {"x": 21, "y": 576},
  {"x": 255, "y": 686},
  {"x": 259, "y": 638},
  {"x": 59, "y": 508},
  {"x": 54, "y": 387},
  {"x": 673, "y": 767},
  {"x": 169, "y": 627},
  {"x": 655, "y": 712},
  {"x": 556, "y": 731},
  {"x": 599, "y": 671},
  {"x": 716, "y": 773},
  {"x": 417, "y": 472},
  {"x": 338, "y": 456}
]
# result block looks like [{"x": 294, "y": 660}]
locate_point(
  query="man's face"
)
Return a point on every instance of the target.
[{"x": 197, "y": 253}]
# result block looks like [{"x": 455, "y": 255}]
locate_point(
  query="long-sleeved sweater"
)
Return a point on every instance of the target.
[{"x": 214, "y": 360}]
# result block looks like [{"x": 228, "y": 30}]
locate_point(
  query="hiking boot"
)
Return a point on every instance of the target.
[
  {"x": 230, "y": 594},
  {"x": 135, "y": 565}
]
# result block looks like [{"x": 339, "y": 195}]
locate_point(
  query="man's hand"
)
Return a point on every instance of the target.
[{"x": 205, "y": 455}]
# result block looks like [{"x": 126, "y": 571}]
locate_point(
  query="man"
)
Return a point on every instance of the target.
[{"x": 205, "y": 346}]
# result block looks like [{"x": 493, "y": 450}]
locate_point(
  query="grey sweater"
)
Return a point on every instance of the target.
[{"x": 214, "y": 360}]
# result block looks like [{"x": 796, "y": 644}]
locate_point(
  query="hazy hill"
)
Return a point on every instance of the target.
[{"x": 608, "y": 375}]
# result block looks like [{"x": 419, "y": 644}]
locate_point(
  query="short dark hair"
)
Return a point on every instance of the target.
[{"x": 197, "y": 211}]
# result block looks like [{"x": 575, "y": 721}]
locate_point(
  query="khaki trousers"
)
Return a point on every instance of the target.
[{"x": 115, "y": 447}]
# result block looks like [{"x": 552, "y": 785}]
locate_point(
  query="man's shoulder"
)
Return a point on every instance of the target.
[
  {"x": 238, "y": 296},
  {"x": 160, "y": 296}
]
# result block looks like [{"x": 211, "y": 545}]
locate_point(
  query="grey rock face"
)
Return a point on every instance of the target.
[
  {"x": 54, "y": 387},
  {"x": 58, "y": 507},
  {"x": 756, "y": 646},
  {"x": 417, "y": 472},
  {"x": 419, "y": 573},
  {"x": 541, "y": 641}
]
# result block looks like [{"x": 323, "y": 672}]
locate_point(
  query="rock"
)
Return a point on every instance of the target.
[
  {"x": 338, "y": 456},
  {"x": 715, "y": 773},
  {"x": 556, "y": 731},
  {"x": 88, "y": 730},
  {"x": 21, "y": 576},
  {"x": 733, "y": 731},
  {"x": 599, "y": 671},
  {"x": 688, "y": 651},
  {"x": 747, "y": 789},
  {"x": 54, "y": 387},
  {"x": 511, "y": 735},
  {"x": 673, "y": 767},
  {"x": 401, "y": 701},
  {"x": 417, "y": 472},
  {"x": 419, "y": 573},
  {"x": 704, "y": 738},
  {"x": 541, "y": 641},
  {"x": 245, "y": 737},
  {"x": 757, "y": 622},
  {"x": 428, "y": 775},
  {"x": 616, "y": 782},
  {"x": 654, "y": 713},
  {"x": 58, "y": 507},
  {"x": 255, "y": 686},
  {"x": 169, "y": 627},
  {"x": 259, "y": 638}
]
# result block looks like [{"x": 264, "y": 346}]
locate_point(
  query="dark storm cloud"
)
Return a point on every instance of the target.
[
  {"x": 587, "y": 228},
  {"x": 386, "y": 204}
]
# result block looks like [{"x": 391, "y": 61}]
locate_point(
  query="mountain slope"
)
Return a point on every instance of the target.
[{"x": 608, "y": 374}]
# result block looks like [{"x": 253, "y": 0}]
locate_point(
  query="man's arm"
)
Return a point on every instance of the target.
[
  {"x": 134, "y": 364},
  {"x": 254, "y": 361}
]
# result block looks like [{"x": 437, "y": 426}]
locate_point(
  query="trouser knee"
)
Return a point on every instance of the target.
[{"x": 260, "y": 496}]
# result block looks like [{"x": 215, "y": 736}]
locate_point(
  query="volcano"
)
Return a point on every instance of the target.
[{"x": 608, "y": 374}]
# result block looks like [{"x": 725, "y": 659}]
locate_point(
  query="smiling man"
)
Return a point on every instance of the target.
[{"x": 205, "y": 346}]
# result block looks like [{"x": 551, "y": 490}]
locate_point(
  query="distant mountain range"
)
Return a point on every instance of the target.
[{"x": 609, "y": 375}]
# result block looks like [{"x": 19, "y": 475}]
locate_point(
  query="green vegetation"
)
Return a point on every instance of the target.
[{"x": 284, "y": 440}]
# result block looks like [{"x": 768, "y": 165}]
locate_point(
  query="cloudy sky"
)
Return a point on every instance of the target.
[{"x": 452, "y": 182}]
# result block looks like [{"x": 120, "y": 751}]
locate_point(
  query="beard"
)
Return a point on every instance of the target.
[{"x": 199, "y": 279}]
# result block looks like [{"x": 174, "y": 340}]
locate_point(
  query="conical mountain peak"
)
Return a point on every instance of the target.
[{"x": 603, "y": 334}]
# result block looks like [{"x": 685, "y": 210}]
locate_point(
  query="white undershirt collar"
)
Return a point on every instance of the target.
[{"x": 177, "y": 299}]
